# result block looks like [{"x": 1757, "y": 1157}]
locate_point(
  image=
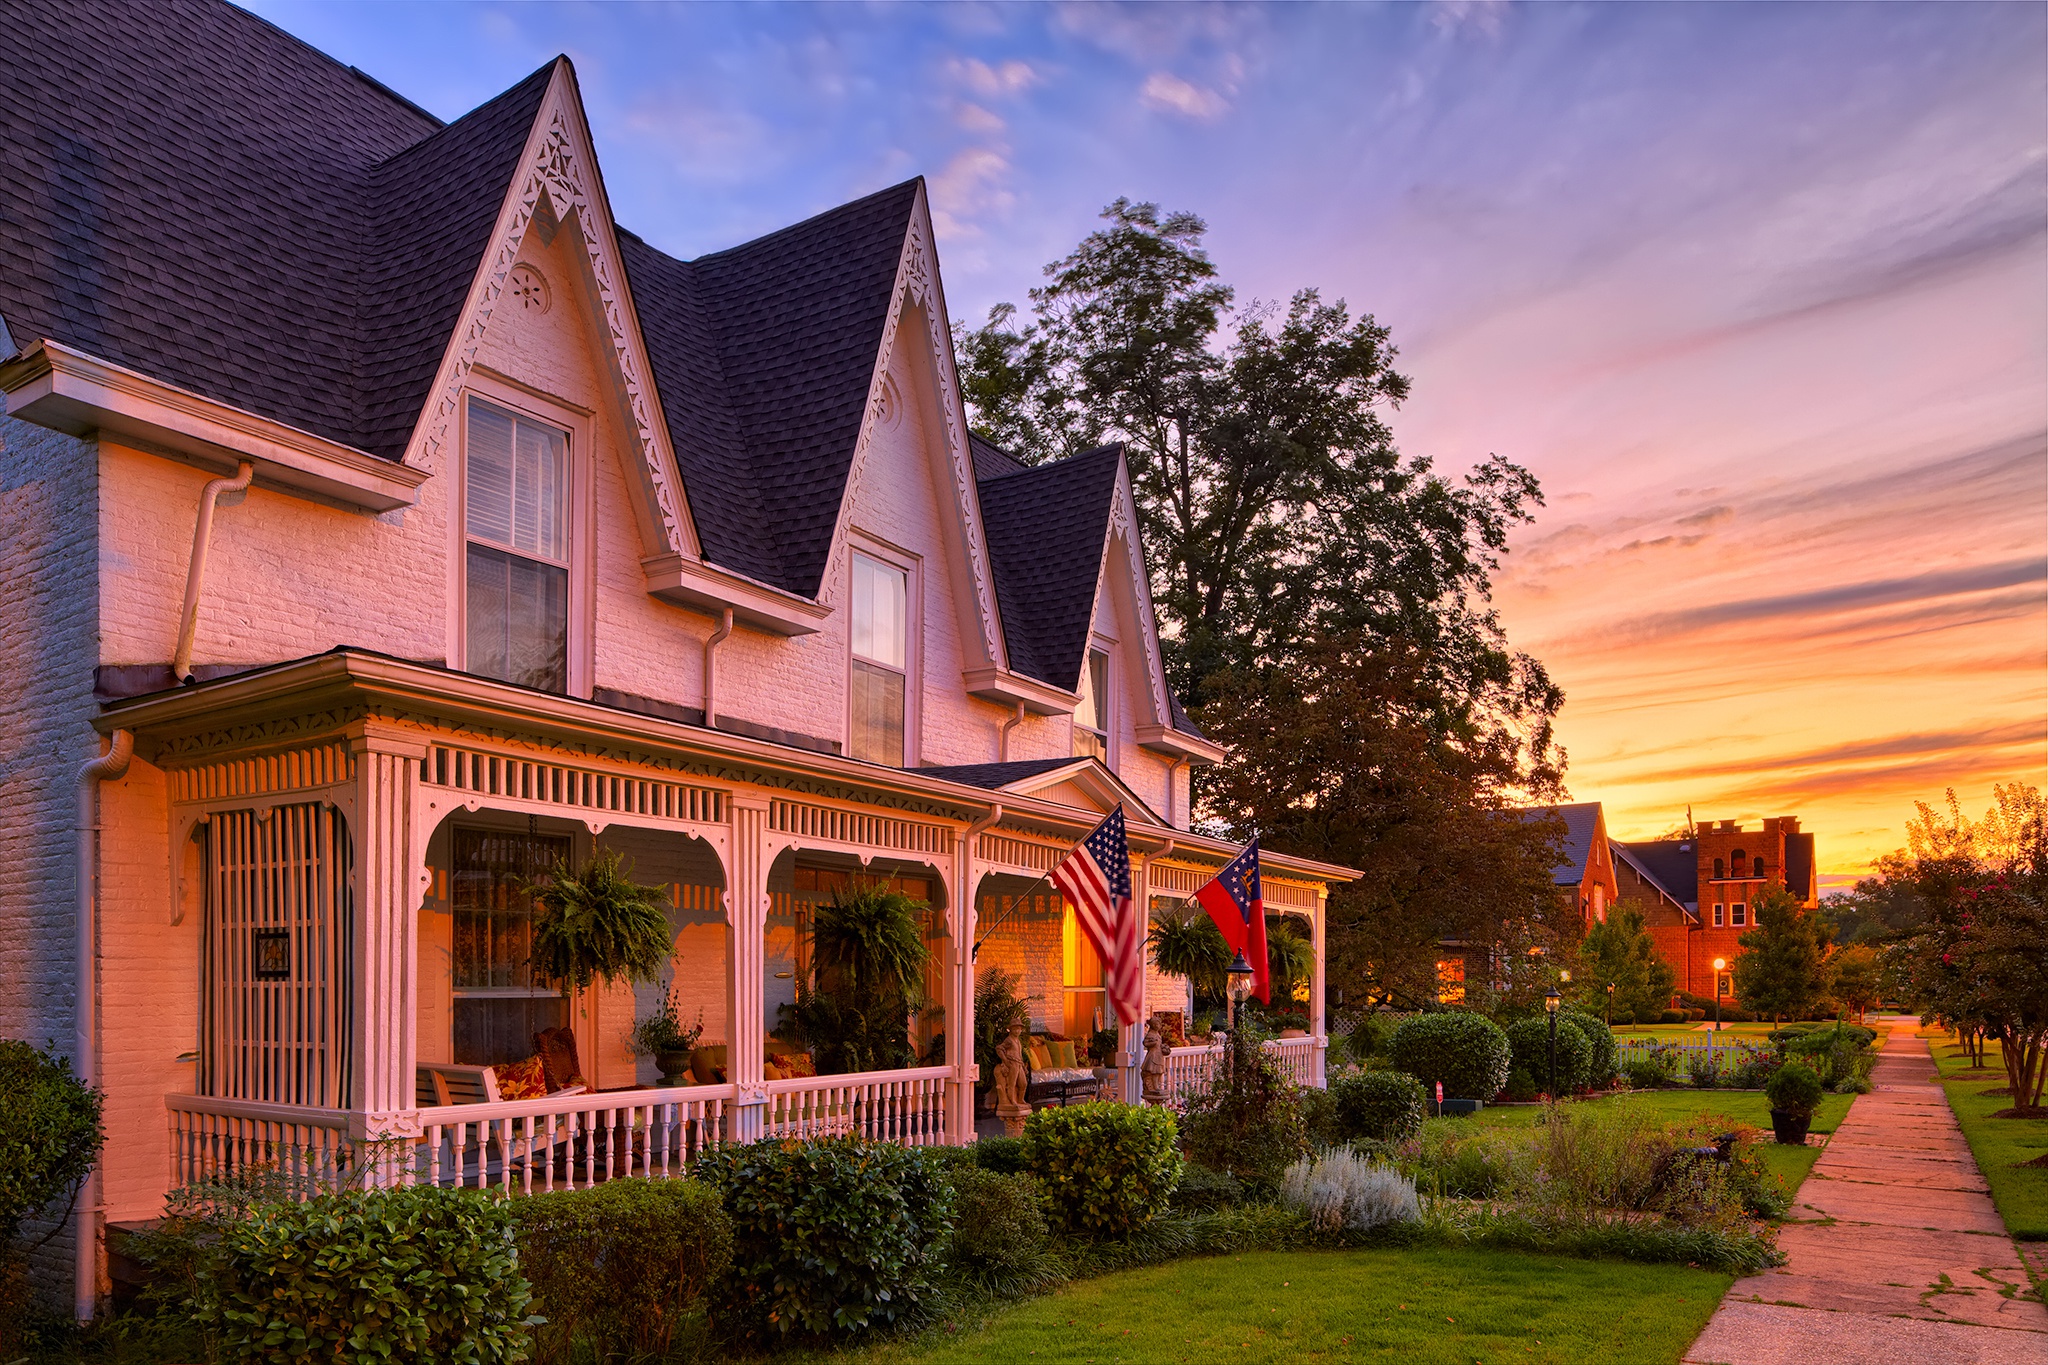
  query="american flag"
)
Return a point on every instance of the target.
[{"x": 1096, "y": 878}]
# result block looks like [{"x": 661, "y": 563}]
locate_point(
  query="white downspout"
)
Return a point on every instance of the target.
[
  {"x": 85, "y": 1047},
  {"x": 1003, "y": 735},
  {"x": 195, "y": 576},
  {"x": 711, "y": 668}
]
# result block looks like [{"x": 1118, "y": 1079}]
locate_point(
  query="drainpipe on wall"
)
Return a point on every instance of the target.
[
  {"x": 711, "y": 667},
  {"x": 195, "y": 576},
  {"x": 1003, "y": 735},
  {"x": 85, "y": 1047}
]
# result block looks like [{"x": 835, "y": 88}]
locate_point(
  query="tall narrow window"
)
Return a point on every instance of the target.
[
  {"x": 516, "y": 520},
  {"x": 1757, "y": 865},
  {"x": 881, "y": 651},
  {"x": 1091, "y": 717},
  {"x": 1736, "y": 915},
  {"x": 1081, "y": 980},
  {"x": 1720, "y": 869},
  {"x": 499, "y": 1004},
  {"x": 1718, "y": 912}
]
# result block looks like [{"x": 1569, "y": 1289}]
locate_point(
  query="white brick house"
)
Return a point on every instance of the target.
[{"x": 392, "y": 520}]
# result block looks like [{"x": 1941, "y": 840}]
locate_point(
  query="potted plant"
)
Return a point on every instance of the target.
[
  {"x": 868, "y": 960},
  {"x": 595, "y": 923},
  {"x": 662, "y": 1036},
  {"x": 1793, "y": 1092}
]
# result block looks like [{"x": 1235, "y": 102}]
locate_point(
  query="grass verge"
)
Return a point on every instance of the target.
[
  {"x": 1790, "y": 1164},
  {"x": 1999, "y": 1145},
  {"x": 1429, "y": 1306}
]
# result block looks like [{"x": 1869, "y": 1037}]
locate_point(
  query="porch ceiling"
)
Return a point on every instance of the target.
[{"x": 289, "y": 705}]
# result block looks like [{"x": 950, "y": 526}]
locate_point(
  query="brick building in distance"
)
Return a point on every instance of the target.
[{"x": 1697, "y": 895}]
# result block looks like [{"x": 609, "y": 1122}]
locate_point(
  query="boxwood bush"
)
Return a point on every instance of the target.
[
  {"x": 1466, "y": 1051},
  {"x": 1530, "y": 1040},
  {"x": 1793, "y": 1089},
  {"x": 831, "y": 1240},
  {"x": 365, "y": 1276},
  {"x": 1105, "y": 1168},
  {"x": 1605, "y": 1051},
  {"x": 50, "y": 1132},
  {"x": 1379, "y": 1106},
  {"x": 621, "y": 1265},
  {"x": 999, "y": 1237}
]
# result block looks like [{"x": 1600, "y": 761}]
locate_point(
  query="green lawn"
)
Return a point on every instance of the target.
[
  {"x": 1789, "y": 1164},
  {"x": 1999, "y": 1145},
  {"x": 1425, "y": 1307},
  {"x": 1694, "y": 1032}
]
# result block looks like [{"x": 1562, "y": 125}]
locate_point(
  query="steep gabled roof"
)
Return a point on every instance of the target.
[
  {"x": 1642, "y": 865},
  {"x": 763, "y": 356},
  {"x": 1046, "y": 529},
  {"x": 1581, "y": 828},
  {"x": 1672, "y": 864},
  {"x": 188, "y": 194}
]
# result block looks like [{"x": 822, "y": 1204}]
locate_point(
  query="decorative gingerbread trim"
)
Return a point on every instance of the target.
[{"x": 558, "y": 179}]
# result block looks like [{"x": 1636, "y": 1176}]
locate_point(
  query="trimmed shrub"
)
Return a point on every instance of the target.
[
  {"x": 1371, "y": 1037},
  {"x": 366, "y": 1276},
  {"x": 1648, "y": 1069},
  {"x": 1794, "y": 1089},
  {"x": 1344, "y": 1193},
  {"x": 1380, "y": 1106},
  {"x": 50, "y": 1132},
  {"x": 1105, "y": 1169},
  {"x": 1601, "y": 1039},
  {"x": 999, "y": 1235},
  {"x": 1004, "y": 1155},
  {"x": 832, "y": 1240},
  {"x": 1671, "y": 1017},
  {"x": 1466, "y": 1051},
  {"x": 1202, "y": 1190},
  {"x": 1249, "y": 1119},
  {"x": 1521, "y": 1086},
  {"x": 619, "y": 1265},
  {"x": 1530, "y": 1039}
]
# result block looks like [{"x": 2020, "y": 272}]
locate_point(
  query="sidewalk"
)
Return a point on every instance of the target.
[{"x": 1905, "y": 1260}]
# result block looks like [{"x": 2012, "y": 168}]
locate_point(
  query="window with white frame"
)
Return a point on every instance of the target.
[
  {"x": 1718, "y": 912},
  {"x": 499, "y": 1003},
  {"x": 1736, "y": 915},
  {"x": 1091, "y": 717},
  {"x": 879, "y": 687},
  {"x": 516, "y": 499}
]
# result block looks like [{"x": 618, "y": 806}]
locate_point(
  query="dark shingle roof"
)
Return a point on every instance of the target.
[
  {"x": 1581, "y": 824},
  {"x": 188, "y": 192},
  {"x": 996, "y": 776},
  {"x": 1672, "y": 864},
  {"x": 763, "y": 355},
  {"x": 991, "y": 461},
  {"x": 1046, "y": 528},
  {"x": 1627, "y": 853}
]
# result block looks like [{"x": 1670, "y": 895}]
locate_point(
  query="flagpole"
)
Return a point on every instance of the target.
[{"x": 1044, "y": 878}]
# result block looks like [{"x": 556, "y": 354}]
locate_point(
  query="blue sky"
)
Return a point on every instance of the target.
[{"x": 1758, "y": 290}]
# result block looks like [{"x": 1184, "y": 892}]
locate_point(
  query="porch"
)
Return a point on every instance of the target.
[{"x": 354, "y": 867}]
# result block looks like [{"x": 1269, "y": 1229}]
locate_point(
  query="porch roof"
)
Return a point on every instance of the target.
[{"x": 362, "y": 683}]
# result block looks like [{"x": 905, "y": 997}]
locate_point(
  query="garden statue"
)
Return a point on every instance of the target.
[
  {"x": 1153, "y": 1072},
  {"x": 1009, "y": 1085}
]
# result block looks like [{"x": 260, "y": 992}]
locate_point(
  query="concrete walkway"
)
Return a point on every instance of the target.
[{"x": 1904, "y": 1260}]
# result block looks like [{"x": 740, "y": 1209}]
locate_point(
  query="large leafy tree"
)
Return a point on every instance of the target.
[
  {"x": 1323, "y": 598},
  {"x": 1782, "y": 969},
  {"x": 1620, "y": 953}
]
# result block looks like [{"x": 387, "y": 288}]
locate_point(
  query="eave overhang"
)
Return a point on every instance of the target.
[
  {"x": 699, "y": 586},
  {"x": 347, "y": 680},
  {"x": 1164, "y": 739},
  {"x": 67, "y": 390},
  {"x": 1005, "y": 688}
]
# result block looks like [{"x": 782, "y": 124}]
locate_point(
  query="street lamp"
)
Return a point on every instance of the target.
[
  {"x": 1720, "y": 965},
  {"x": 1550, "y": 1004},
  {"x": 1610, "y": 1004},
  {"x": 1240, "y": 972}
]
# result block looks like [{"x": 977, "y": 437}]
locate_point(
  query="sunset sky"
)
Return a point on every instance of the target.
[{"x": 1760, "y": 292}]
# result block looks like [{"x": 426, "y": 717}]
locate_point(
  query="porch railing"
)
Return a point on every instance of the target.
[
  {"x": 1191, "y": 1067},
  {"x": 214, "y": 1139},
  {"x": 908, "y": 1107},
  {"x": 567, "y": 1142}
]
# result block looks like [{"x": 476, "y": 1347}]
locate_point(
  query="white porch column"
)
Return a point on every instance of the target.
[
  {"x": 1319, "y": 1026},
  {"x": 1130, "y": 1046},
  {"x": 960, "y": 993},
  {"x": 385, "y": 1003},
  {"x": 746, "y": 918}
]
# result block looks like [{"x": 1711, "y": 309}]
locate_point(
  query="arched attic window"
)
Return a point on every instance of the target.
[
  {"x": 1757, "y": 866},
  {"x": 1740, "y": 862},
  {"x": 1720, "y": 869}
]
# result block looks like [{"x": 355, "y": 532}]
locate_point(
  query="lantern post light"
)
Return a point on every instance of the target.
[
  {"x": 1550, "y": 1004},
  {"x": 1610, "y": 1004},
  {"x": 1720, "y": 965},
  {"x": 1240, "y": 985}
]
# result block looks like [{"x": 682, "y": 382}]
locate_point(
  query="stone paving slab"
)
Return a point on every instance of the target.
[
  {"x": 1762, "y": 1334},
  {"x": 1906, "y": 1263}
]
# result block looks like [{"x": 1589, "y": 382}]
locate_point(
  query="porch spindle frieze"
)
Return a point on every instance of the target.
[
  {"x": 809, "y": 822},
  {"x": 596, "y": 795}
]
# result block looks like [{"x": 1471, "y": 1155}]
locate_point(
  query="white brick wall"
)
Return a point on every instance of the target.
[{"x": 48, "y": 623}]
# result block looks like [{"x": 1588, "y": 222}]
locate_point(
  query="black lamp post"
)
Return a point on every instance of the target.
[
  {"x": 1550, "y": 1004},
  {"x": 1240, "y": 972},
  {"x": 1610, "y": 1004}
]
